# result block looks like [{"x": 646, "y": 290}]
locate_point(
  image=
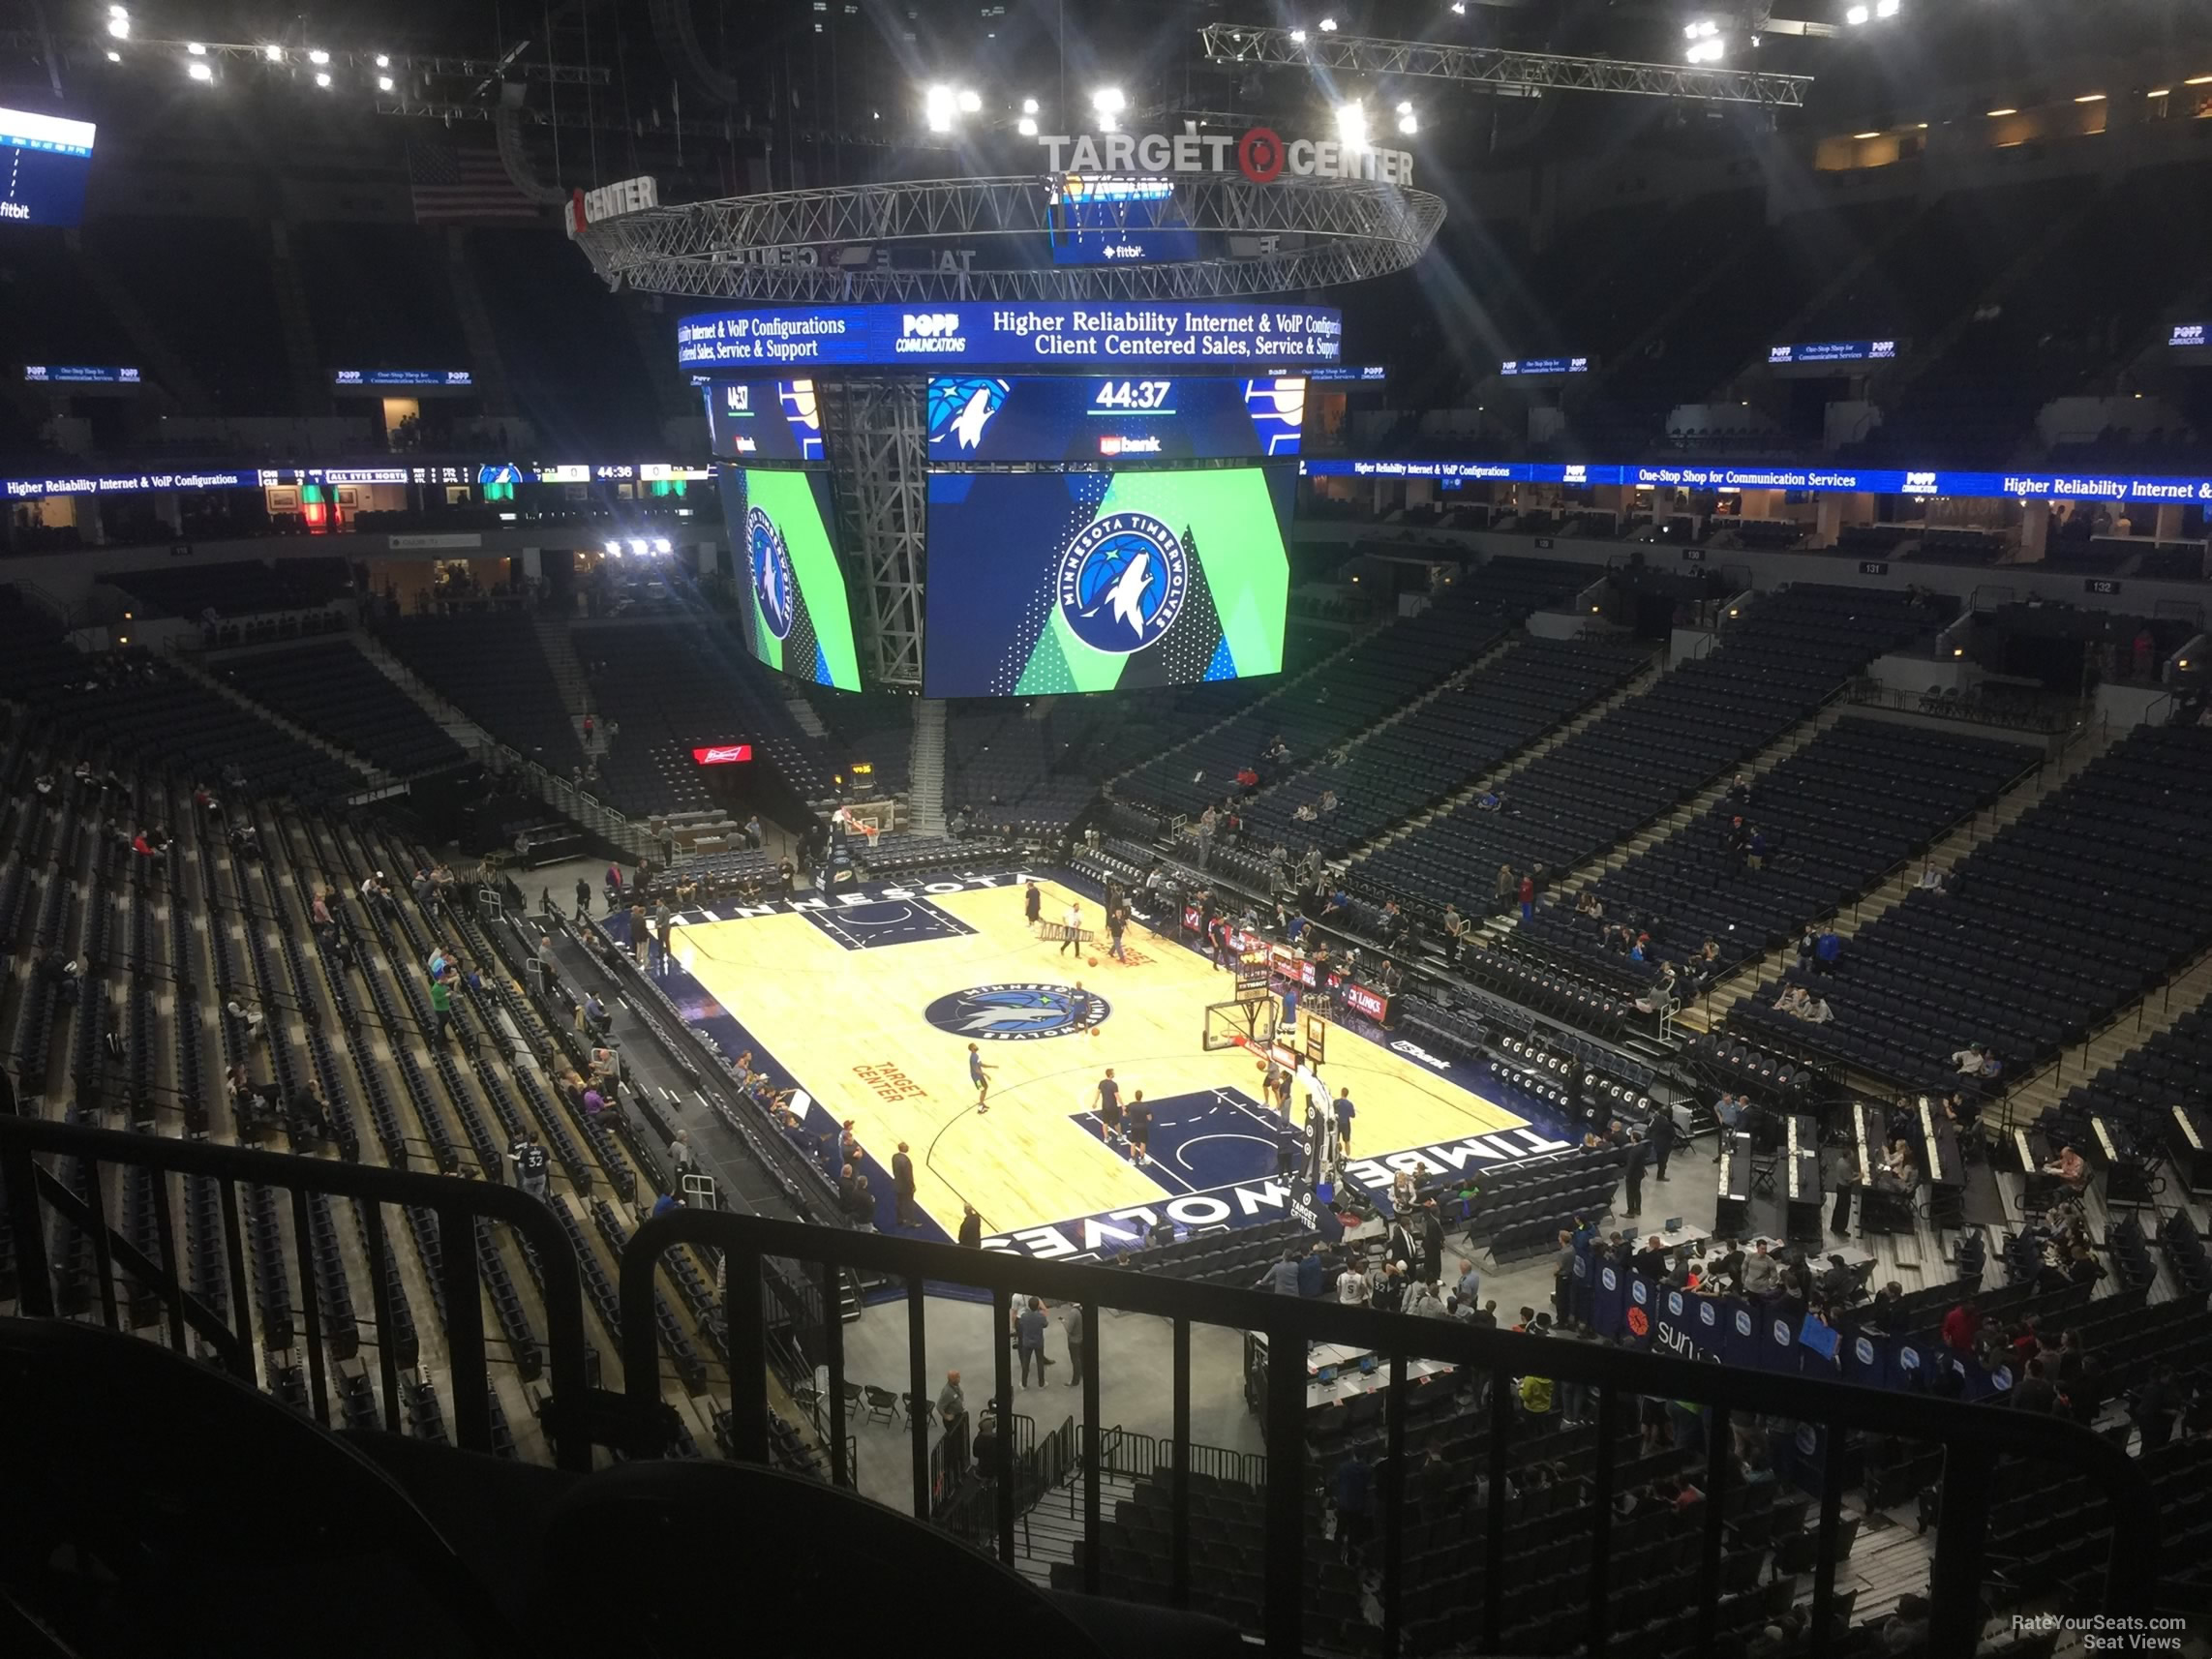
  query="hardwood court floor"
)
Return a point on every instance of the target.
[{"x": 848, "y": 1024}]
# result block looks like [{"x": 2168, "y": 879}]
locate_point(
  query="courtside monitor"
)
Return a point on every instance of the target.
[
  {"x": 44, "y": 161},
  {"x": 1119, "y": 419},
  {"x": 798, "y": 617},
  {"x": 1103, "y": 581}
]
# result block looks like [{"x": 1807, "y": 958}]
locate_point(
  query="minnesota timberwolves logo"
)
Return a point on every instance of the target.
[
  {"x": 773, "y": 581},
  {"x": 1016, "y": 1013},
  {"x": 961, "y": 407},
  {"x": 1122, "y": 581}
]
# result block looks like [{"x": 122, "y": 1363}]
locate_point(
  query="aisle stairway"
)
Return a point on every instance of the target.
[{"x": 926, "y": 796}]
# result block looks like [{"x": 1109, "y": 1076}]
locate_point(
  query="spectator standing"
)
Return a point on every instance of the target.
[
  {"x": 902, "y": 1184},
  {"x": 1529, "y": 898},
  {"x": 1029, "y": 1327},
  {"x": 1663, "y": 1141},
  {"x": 1073, "y": 1322}
]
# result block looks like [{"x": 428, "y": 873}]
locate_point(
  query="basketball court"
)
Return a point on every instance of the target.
[{"x": 867, "y": 1001}]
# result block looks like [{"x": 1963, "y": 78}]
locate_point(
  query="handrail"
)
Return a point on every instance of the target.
[
  {"x": 457, "y": 1203},
  {"x": 1972, "y": 1436}
]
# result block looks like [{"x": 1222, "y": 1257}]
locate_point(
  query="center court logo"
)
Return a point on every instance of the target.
[
  {"x": 1122, "y": 583},
  {"x": 1016, "y": 1013},
  {"x": 774, "y": 584}
]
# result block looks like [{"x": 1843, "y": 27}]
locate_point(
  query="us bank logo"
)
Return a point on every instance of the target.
[
  {"x": 1016, "y": 1013},
  {"x": 1122, "y": 583},
  {"x": 773, "y": 585}
]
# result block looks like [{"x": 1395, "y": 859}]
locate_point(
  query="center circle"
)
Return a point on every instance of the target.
[{"x": 1018, "y": 1012}]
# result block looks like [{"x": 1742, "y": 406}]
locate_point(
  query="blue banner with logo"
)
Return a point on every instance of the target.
[
  {"x": 1866, "y": 1360},
  {"x": 1124, "y": 337},
  {"x": 1609, "y": 1299}
]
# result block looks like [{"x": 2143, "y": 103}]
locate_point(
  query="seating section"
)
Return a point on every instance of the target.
[
  {"x": 208, "y": 287},
  {"x": 246, "y": 587},
  {"x": 146, "y": 715},
  {"x": 2067, "y": 916},
  {"x": 671, "y": 687},
  {"x": 1356, "y": 687},
  {"x": 1853, "y": 803},
  {"x": 1773, "y": 667},
  {"x": 491, "y": 665},
  {"x": 999, "y": 766},
  {"x": 1464, "y": 731},
  {"x": 336, "y": 692}
]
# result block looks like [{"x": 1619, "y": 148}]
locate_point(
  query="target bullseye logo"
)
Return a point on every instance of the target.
[{"x": 1259, "y": 155}]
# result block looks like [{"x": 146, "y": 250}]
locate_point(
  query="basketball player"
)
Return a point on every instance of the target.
[
  {"x": 1345, "y": 1112},
  {"x": 1140, "y": 1119},
  {"x": 1291, "y": 1008},
  {"x": 1032, "y": 906},
  {"x": 1110, "y": 1115},
  {"x": 1074, "y": 940},
  {"x": 980, "y": 1075}
]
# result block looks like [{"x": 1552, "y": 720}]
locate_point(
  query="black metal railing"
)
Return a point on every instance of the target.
[
  {"x": 576, "y": 1417},
  {"x": 34, "y": 1192},
  {"x": 1972, "y": 1437}
]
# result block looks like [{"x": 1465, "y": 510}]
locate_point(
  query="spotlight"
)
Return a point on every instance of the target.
[
  {"x": 937, "y": 107},
  {"x": 1864, "y": 136},
  {"x": 614, "y": 549},
  {"x": 1298, "y": 37},
  {"x": 1029, "y": 106},
  {"x": 2007, "y": 111},
  {"x": 1027, "y": 126},
  {"x": 660, "y": 544},
  {"x": 119, "y": 24},
  {"x": 1328, "y": 25},
  {"x": 196, "y": 49},
  {"x": 1459, "y": 8},
  {"x": 1405, "y": 107},
  {"x": 115, "y": 57},
  {"x": 319, "y": 56},
  {"x": 970, "y": 103},
  {"x": 1109, "y": 100},
  {"x": 637, "y": 545},
  {"x": 1408, "y": 125},
  {"x": 322, "y": 79},
  {"x": 273, "y": 52},
  {"x": 383, "y": 83},
  {"x": 383, "y": 62},
  {"x": 2090, "y": 98},
  {"x": 1886, "y": 7},
  {"x": 2199, "y": 80},
  {"x": 200, "y": 70},
  {"x": 1857, "y": 16},
  {"x": 1351, "y": 127}
]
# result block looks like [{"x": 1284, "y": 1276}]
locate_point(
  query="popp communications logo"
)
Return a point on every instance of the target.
[{"x": 930, "y": 333}]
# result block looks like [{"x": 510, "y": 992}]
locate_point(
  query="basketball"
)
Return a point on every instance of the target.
[{"x": 1093, "y": 961}]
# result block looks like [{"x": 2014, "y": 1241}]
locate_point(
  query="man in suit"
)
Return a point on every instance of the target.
[
  {"x": 1432, "y": 1242},
  {"x": 971, "y": 1227},
  {"x": 902, "y": 1184},
  {"x": 1632, "y": 1177},
  {"x": 1662, "y": 1140}
]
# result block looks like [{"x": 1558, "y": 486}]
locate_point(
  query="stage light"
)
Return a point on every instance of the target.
[
  {"x": 1408, "y": 125},
  {"x": 115, "y": 57},
  {"x": 1298, "y": 37},
  {"x": 2160, "y": 92},
  {"x": 614, "y": 549},
  {"x": 637, "y": 545},
  {"x": 383, "y": 62},
  {"x": 2199, "y": 80},
  {"x": 1886, "y": 7},
  {"x": 119, "y": 25},
  {"x": 1351, "y": 127},
  {"x": 937, "y": 107},
  {"x": 1459, "y": 8},
  {"x": 273, "y": 52},
  {"x": 1029, "y": 106},
  {"x": 1861, "y": 136},
  {"x": 1857, "y": 16},
  {"x": 196, "y": 49},
  {"x": 661, "y": 544},
  {"x": 1328, "y": 25},
  {"x": 1027, "y": 126},
  {"x": 1109, "y": 100},
  {"x": 322, "y": 79},
  {"x": 1995, "y": 113},
  {"x": 200, "y": 71},
  {"x": 970, "y": 103},
  {"x": 319, "y": 56},
  {"x": 383, "y": 83}
]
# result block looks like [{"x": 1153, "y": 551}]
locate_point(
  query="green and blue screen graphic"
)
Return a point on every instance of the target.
[{"x": 797, "y": 615}]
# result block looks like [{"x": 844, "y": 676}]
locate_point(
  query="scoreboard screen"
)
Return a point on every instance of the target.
[
  {"x": 1098, "y": 219},
  {"x": 796, "y": 616},
  {"x": 44, "y": 161},
  {"x": 1101, "y": 581},
  {"x": 764, "y": 420},
  {"x": 1116, "y": 418}
]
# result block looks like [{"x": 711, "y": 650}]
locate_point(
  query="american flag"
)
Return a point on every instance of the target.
[{"x": 464, "y": 184}]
